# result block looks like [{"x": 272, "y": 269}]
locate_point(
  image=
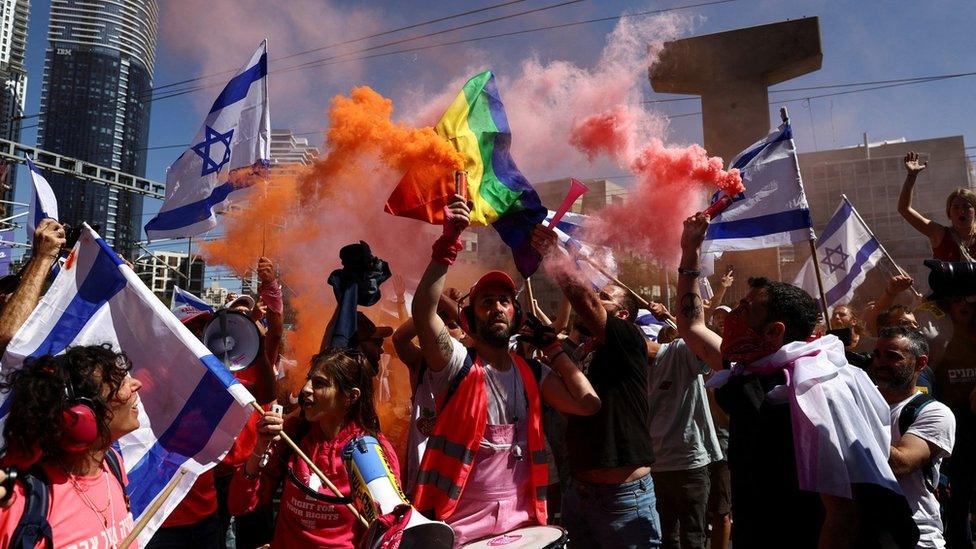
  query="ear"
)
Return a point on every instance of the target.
[
  {"x": 775, "y": 331},
  {"x": 354, "y": 395},
  {"x": 623, "y": 314},
  {"x": 921, "y": 362}
]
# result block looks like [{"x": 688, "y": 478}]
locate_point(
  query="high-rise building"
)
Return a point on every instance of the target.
[
  {"x": 288, "y": 150},
  {"x": 163, "y": 270},
  {"x": 13, "y": 83},
  {"x": 95, "y": 106}
]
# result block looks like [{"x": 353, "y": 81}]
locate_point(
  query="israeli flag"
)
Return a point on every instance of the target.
[
  {"x": 231, "y": 151},
  {"x": 43, "y": 205},
  {"x": 649, "y": 325},
  {"x": 773, "y": 209},
  {"x": 185, "y": 304},
  {"x": 190, "y": 406},
  {"x": 847, "y": 250},
  {"x": 568, "y": 231}
]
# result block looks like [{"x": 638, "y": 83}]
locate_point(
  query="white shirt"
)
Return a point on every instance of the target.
[{"x": 935, "y": 424}]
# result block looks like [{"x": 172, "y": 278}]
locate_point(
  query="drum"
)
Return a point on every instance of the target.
[{"x": 530, "y": 537}]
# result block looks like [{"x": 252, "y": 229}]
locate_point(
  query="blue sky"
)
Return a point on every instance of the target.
[{"x": 862, "y": 41}]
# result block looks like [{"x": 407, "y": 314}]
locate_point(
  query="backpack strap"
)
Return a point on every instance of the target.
[
  {"x": 114, "y": 462},
  {"x": 33, "y": 525},
  {"x": 909, "y": 413}
]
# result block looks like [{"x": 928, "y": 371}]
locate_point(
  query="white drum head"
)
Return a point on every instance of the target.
[{"x": 531, "y": 537}]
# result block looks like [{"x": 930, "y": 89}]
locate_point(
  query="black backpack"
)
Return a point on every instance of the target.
[
  {"x": 905, "y": 420},
  {"x": 33, "y": 525}
]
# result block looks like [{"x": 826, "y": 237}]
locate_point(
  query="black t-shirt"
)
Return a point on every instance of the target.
[
  {"x": 770, "y": 509},
  {"x": 619, "y": 434}
]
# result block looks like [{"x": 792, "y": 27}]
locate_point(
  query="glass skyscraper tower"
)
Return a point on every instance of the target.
[{"x": 95, "y": 106}]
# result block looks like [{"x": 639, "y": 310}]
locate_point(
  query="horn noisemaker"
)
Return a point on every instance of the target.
[
  {"x": 233, "y": 338},
  {"x": 375, "y": 492}
]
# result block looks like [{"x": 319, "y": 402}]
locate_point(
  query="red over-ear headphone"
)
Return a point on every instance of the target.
[
  {"x": 79, "y": 426},
  {"x": 467, "y": 320}
]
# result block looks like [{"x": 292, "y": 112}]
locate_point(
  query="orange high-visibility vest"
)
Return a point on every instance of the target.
[{"x": 457, "y": 434}]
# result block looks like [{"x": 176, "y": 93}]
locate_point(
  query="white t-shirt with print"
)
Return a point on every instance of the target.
[{"x": 935, "y": 424}]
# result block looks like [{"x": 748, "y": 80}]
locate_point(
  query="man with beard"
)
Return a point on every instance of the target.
[
  {"x": 922, "y": 430},
  {"x": 610, "y": 500},
  {"x": 485, "y": 469},
  {"x": 809, "y": 435}
]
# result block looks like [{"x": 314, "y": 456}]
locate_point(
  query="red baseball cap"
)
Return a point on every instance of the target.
[{"x": 492, "y": 277}]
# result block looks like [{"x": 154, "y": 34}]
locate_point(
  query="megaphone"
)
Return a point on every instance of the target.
[
  {"x": 233, "y": 338},
  {"x": 375, "y": 492}
]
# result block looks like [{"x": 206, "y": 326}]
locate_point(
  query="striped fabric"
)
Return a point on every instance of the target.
[{"x": 190, "y": 407}]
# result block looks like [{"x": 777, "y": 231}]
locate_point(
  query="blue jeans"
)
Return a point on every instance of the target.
[{"x": 611, "y": 515}]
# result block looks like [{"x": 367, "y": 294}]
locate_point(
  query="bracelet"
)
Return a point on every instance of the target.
[{"x": 695, "y": 273}]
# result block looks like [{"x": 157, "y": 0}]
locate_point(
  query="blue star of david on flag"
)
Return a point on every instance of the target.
[
  {"x": 835, "y": 258},
  {"x": 213, "y": 137}
]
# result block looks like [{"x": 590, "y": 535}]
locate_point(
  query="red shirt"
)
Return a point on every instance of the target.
[
  {"x": 948, "y": 250},
  {"x": 304, "y": 521}
]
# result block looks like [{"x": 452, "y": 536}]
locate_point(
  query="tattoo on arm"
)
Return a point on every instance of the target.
[
  {"x": 444, "y": 343},
  {"x": 691, "y": 306}
]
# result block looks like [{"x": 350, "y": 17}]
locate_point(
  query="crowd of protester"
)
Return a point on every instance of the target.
[{"x": 762, "y": 423}]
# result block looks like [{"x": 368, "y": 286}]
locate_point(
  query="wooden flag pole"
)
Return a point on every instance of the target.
[
  {"x": 617, "y": 282},
  {"x": 315, "y": 469},
  {"x": 152, "y": 509}
]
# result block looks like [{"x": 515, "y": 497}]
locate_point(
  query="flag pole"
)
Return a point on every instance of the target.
[
  {"x": 617, "y": 282},
  {"x": 152, "y": 509},
  {"x": 315, "y": 469},
  {"x": 880, "y": 245},
  {"x": 784, "y": 115}
]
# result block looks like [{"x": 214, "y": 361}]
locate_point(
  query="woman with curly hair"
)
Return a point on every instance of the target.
[
  {"x": 336, "y": 404},
  {"x": 65, "y": 412}
]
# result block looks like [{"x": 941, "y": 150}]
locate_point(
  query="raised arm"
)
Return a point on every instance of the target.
[
  {"x": 562, "y": 315},
  {"x": 896, "y": 285},
  {"x": 691, "y": 319},
  {"x": 919, "y": 222},
  {"x": 270, "y": 292},
  {"x": 400, "y": 289},
  {"x": 49, "y": 237},
  {"x": 583, "y": 300},
  {"x": 435, "y": 342},
  {"x": 568, "y": 391},
  {"x": 403, "y": 344}
]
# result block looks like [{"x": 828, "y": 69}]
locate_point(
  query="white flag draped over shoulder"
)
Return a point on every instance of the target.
[
  {"x": 43, "y": 205},
  {"x": 847, "y": 251},
  {"x": 231, "y": 151},
  {"x": 773, "y": 209},
  {"x": 568, "y": 230},
  {"x": 190, "y": 407}
]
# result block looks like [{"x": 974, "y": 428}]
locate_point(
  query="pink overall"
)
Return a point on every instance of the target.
[{"x": 497, "y": 496}]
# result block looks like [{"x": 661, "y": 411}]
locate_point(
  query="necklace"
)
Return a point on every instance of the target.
[{"x": 83, "y": 494}]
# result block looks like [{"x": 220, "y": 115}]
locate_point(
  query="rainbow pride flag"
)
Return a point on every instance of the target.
[{"x": 477, "y": 127}]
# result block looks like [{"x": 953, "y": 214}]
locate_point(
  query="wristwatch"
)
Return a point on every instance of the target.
[{"x": 689, "y": 272}]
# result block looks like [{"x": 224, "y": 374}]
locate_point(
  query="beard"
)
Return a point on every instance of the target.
[
  {"x": 898, "y": 380},
  {"x": 493, "y": 334}
]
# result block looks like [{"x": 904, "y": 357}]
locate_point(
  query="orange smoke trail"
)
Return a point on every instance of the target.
[{"x": 302, "y": 219}]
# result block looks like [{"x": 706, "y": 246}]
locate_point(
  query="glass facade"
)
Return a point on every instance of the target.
[{"x": 95, "y": 107}]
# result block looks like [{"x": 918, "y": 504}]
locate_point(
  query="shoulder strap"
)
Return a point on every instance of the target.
[
  {"x": 459, "y": 377},
  {"x": 909, "y": 413},
  {"x": 115, "y": 466},
  {"x": 33, "y": 525}
]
